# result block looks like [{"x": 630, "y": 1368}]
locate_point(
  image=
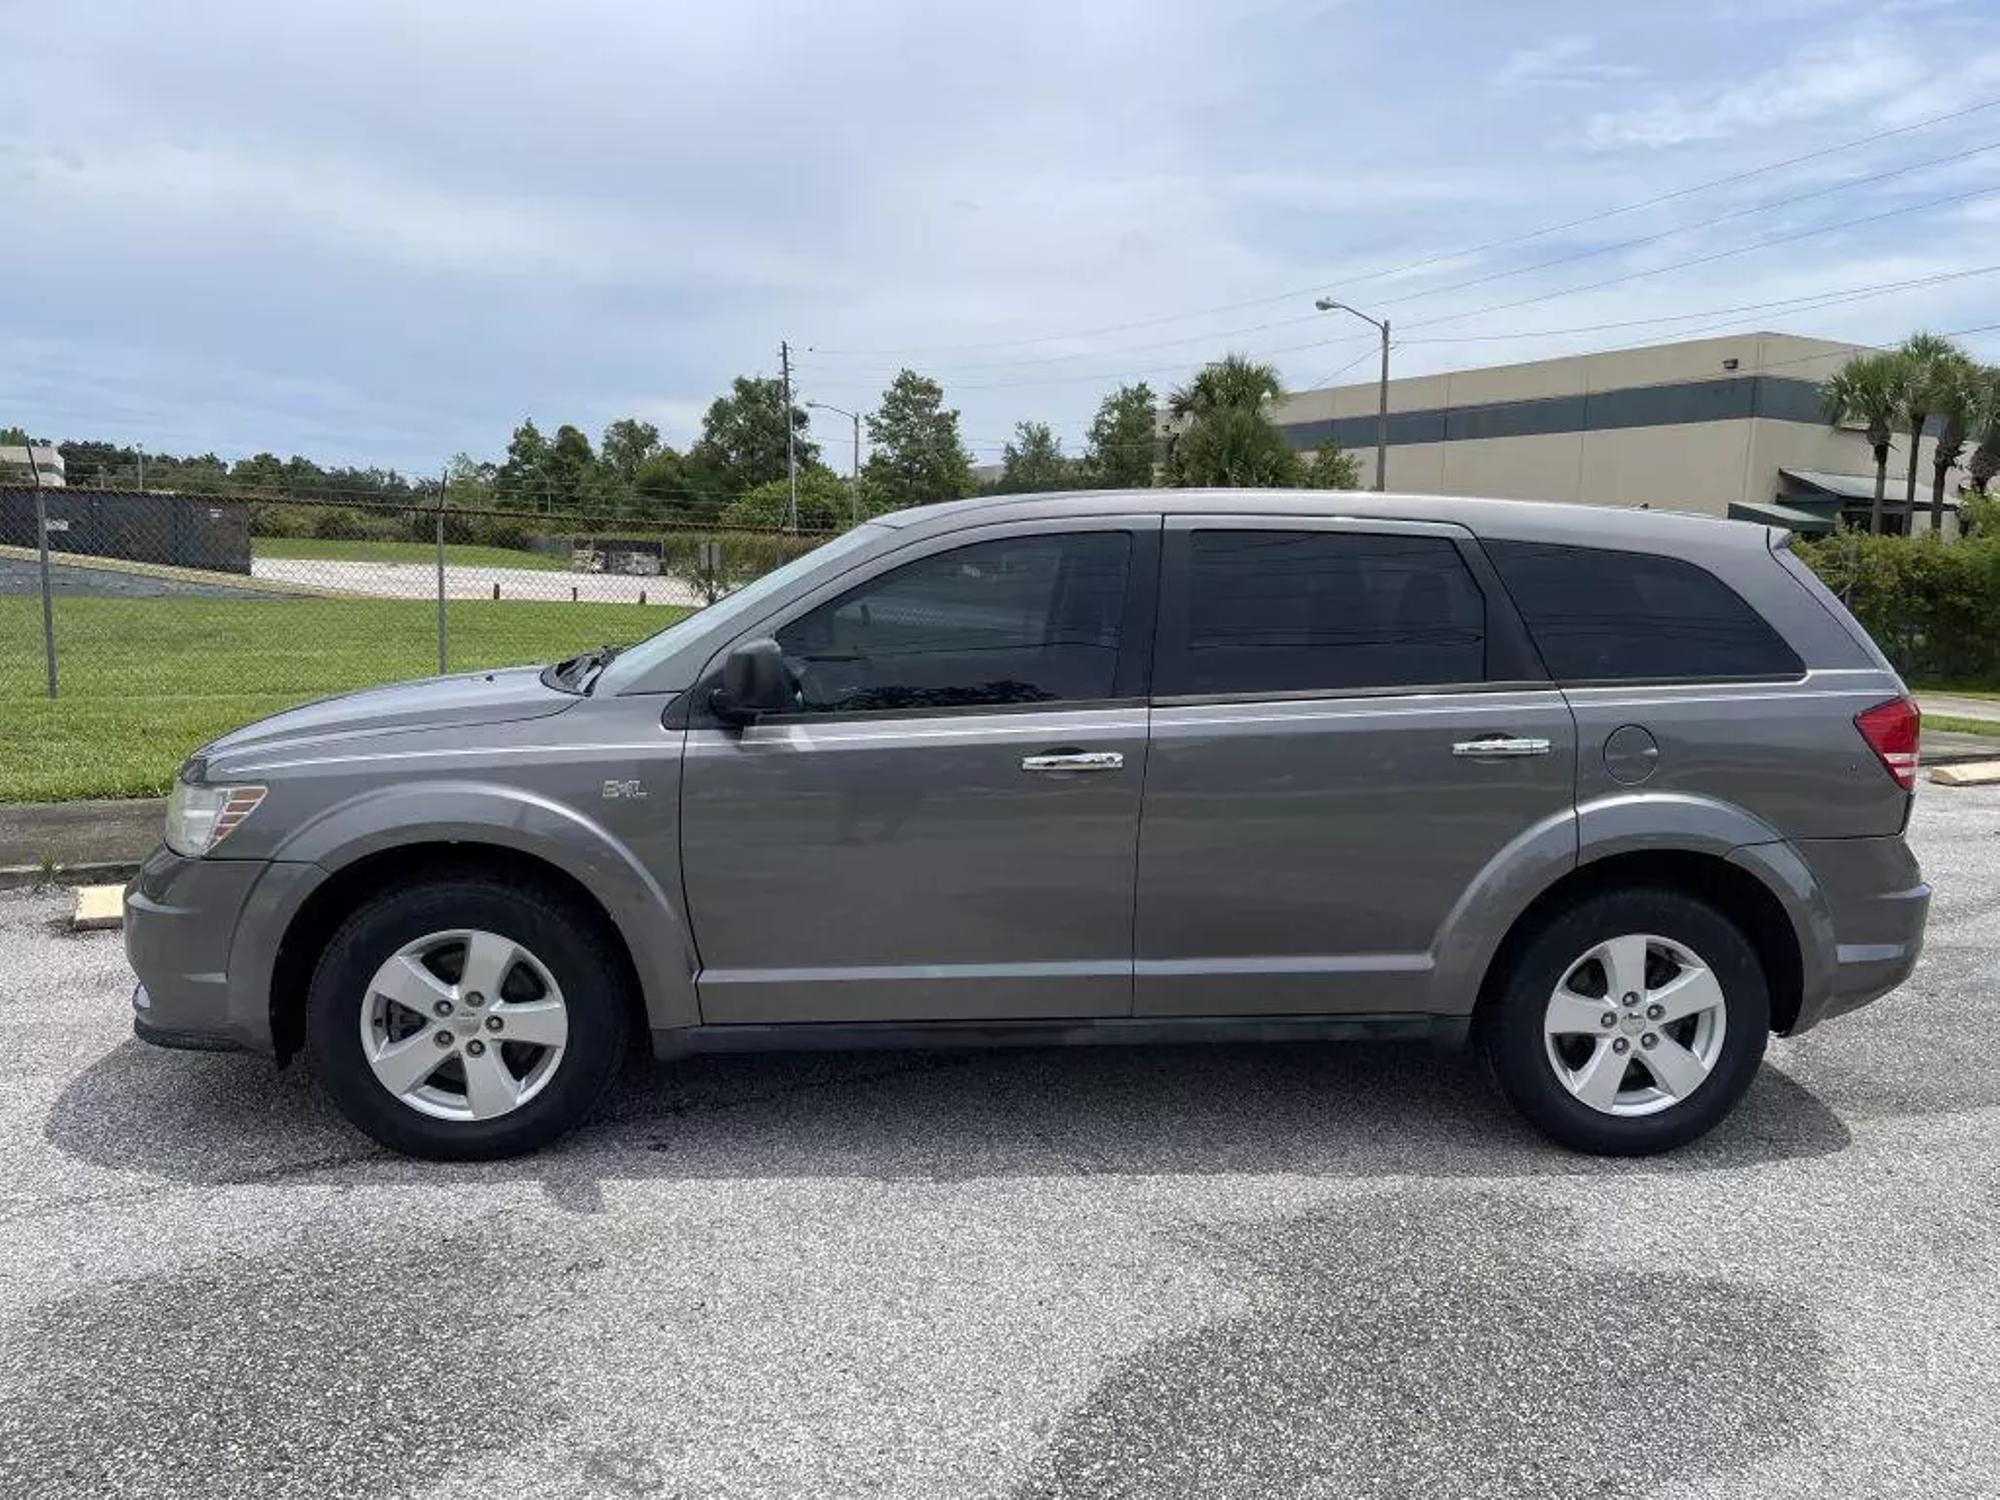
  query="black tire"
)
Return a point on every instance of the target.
[
  {"x": 1511, "y": 1030},
  {"x": 566, "y": 941}
]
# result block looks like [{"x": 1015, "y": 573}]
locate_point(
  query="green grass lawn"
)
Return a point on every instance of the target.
[
  {"x": 462, "y": 554},
  {"x": 1951, "y": 725},
  {"x": 144, "y": 681}
]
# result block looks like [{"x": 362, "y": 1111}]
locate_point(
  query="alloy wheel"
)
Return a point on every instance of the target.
[
  {"x": 464, "y": 1025},
  {"x": 1635, "y": 1025}
]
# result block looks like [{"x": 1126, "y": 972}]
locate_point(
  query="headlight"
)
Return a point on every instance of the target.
[{"x": 200, "y": 817}]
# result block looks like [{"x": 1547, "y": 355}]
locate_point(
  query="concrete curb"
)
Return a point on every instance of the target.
[
  {"x": 16, "y": 877},
  {"x": 111, "y": 835}
]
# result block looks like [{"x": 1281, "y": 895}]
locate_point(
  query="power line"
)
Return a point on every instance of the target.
[
  {"x": 1480, "y": 249},
  {"x": 1501, "y": 275}
]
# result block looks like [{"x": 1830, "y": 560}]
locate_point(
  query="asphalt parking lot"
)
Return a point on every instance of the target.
[{"x": 1340, "y": 1272}]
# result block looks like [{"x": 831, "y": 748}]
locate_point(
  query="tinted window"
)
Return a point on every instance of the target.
[
  {"x": 1597, "y": 615},
  {"x": 1307, "y": 611},
  {"x": 1031, "y": 619}
]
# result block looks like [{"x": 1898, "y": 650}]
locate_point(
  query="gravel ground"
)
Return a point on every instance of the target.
[
  {"x": 411, "y": 580},
  {"x": 1327, "y": 1272}
]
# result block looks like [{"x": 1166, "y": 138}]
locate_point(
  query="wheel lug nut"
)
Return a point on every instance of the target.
[
  {"x": 1631, "y": 999},
  {"x": 1609, "y": 1018},
  {"x": 443, "y": 1007},
  {"x": 1621, "y": 1045},
  {"x": 475, "y": 999},
  {"x": 444, "y": 1038},
  {"x": 475, "y": 1047},
  {"x": 494, "y": 1023},
  {"x": 1649, "y": 1040},
  {"x": 1654, "y": 1012}
]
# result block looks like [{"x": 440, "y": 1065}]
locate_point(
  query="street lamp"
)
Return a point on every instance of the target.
[
  {"x": 854, "y": 486},
  {"x": 1327, "y": 304}
]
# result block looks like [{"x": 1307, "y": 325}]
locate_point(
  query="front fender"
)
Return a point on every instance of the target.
[{"x": 510, "y": 817}]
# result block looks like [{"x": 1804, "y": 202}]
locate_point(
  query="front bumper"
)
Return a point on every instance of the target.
[{"x": 202, "y": 935}]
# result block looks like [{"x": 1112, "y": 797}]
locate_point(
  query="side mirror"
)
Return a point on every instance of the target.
[{"x": 755, "y": 681}]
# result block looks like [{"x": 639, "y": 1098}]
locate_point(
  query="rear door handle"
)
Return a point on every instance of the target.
[
  {"x": 1074, "y": 760},
  {"x": 1500, "y": 746}
]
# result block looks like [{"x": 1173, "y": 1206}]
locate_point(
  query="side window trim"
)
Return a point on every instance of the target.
[
  {"x": 1511, "y": 662},
  {"x": 1133, "y": 672}
]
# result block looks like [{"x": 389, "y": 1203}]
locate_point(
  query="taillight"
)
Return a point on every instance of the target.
[{"x": 1891, "y": 731}]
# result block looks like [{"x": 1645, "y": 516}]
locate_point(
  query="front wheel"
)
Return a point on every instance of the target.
[
  {"x": 1630, "y": 1023},
  {"x": 463, "y": 1019}
]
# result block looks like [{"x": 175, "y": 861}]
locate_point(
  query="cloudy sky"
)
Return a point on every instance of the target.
[{"x": 380, "y": 231}]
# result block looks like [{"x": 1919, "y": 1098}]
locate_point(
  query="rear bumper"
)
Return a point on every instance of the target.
[
  {"x": 1877, "y": 902},
  {"x": 201, "y": 935}
]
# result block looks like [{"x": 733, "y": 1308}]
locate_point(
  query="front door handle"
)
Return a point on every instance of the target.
[
  {"x": 1074, "y": 760},
  {"x": 1500, "y": 746}
]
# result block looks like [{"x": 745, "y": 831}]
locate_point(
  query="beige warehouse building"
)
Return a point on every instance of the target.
[{"x": 1726, "y": 426}]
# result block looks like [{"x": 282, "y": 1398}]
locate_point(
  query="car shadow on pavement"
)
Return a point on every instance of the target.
[{"x": 1352, "y": 1110}]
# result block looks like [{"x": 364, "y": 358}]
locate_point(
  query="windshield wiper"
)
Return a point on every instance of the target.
[
  {"x": 575, "y": 674},
  {"x": 594, "y": 663}
]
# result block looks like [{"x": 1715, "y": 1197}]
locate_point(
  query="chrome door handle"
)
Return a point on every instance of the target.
[
  {"x": 1499, "y": 746},
  {"x": 1081, "y": 760}
]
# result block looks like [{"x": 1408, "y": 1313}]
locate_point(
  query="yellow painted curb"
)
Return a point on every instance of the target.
[{"x": 98, "y": 907}]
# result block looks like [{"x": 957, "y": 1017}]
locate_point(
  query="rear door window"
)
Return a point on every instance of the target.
[
  {"x": 1275, "y": 612},
  {"x": 1599, "y": 615}
]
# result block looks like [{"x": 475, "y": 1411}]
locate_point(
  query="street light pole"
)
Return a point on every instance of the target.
[
  {"x": 1327, "y": 304},
  {"x": 854, "y": 485}
]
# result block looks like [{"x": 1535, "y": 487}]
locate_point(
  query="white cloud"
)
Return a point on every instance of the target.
[
  {"x": 1855, "y": 74},
  {"x": 1561, "y": 62}
]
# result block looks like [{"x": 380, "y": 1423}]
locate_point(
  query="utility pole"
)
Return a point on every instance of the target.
[
  {"x": 791, "y": 443},
  {"x": 142, "y": 470},
  {"x": 1327, "y": 304},
  {"x": 854, "y": 484},
  {"x": 444, "y": 655},
  {"x": 42, "y": 549}
]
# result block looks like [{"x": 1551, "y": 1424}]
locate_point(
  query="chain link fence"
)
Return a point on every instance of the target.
[{"x": 156, "y": 621}]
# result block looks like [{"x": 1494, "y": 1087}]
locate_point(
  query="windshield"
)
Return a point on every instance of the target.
[{"x": 635, "y": 661}]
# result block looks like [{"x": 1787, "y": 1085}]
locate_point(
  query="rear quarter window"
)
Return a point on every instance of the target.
[{"x": 1599, "y": 615}]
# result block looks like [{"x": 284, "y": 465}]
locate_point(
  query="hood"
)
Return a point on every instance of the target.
[{"x": 432, "y": 703}]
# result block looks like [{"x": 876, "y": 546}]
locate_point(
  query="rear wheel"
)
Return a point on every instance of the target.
[
  {"x": 1630, "y": 1023},
  {"x": 465, "y": 1019}
]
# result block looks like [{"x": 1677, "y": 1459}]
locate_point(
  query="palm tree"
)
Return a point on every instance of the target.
[
  {"x": 1954, "y": 397},
  {"x": 1867, "y": 392},
  {"x": 1985, "y": 460},
  {"x": 1928, "y": 362},
  {"x": 1223, "y": 434}
]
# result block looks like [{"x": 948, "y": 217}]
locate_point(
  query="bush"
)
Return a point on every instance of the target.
[{"x": 1932, "y": 606}]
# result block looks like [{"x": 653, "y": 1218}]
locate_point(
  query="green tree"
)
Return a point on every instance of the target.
[
  {"x": 1867, "y": 392},
  {"x": 1034, "y": 461},
  {"x": 825, "y": 504},
  {"x": 522, "y": 480},
  {"x": 1223, "y": 432},
  {"x": 1333, "y": 468},
  {"x": 1955, "y": 397},
  {"x": 918, "y": 455},
  {"x": 17, "y": 437},
  {"x": 1985, "y": 422},
  {"x": 742, "y": 441},
  {"x": 1118, "y": 453},
  {"x": 1929, "y": 366},
  {"x": 265, "y": 471},
  {"x": 628, "y": 443},
  {"x": 572, "y": 471}
]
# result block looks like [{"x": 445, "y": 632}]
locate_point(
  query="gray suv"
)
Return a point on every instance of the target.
[{"x": 1613, "y": 794}]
